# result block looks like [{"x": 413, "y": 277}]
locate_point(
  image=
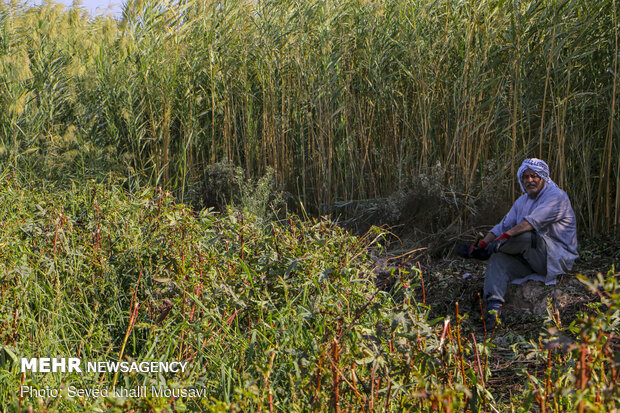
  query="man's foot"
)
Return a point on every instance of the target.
[
  {"x": 493, "y": 315},
  {"x": 491, "y": 320}
]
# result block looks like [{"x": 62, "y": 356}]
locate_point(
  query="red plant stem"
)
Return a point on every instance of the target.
[
  {"x": 484, "y": 325},
  {"x": 389, "y": 395},
  {"x": 458, "y": 338},
  {"x": 15, "y": 322},
  {"x": 132, "y": 321},
  {"x": 275, "y": 241},
  {"x": 548, "y": 381},
  {"x": 241, "y": 239},
  {"x": 484, "y": 345},
  {"x": 317, "y": 389},
  {"x": 267, "y": 384},
  {"x": 21, "y": 398},
  {"x": 358, "y": 315},
  {"x": 372, "y": 389},
  {"x": 583, "y": 378},
  {"x": 352, "y": 384},
  {"x": 422, "y": 283},
  {"x": 478, "y": 360},
  {"x": 159, "y": 199},
  {"x": 228, "y": 321},
  {"x": 336, "y": 377},
  {"x": 199, "y": 263},
  {"x": 446, "y": 324},
  {"x": 614, "y": 372},
  {"x": 537, "y": 395},
  {"x": 480, "y": 371},
  {"x": 56, "y": 236}
]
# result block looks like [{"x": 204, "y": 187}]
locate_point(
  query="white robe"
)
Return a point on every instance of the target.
[{"x": 552, "y": 216}]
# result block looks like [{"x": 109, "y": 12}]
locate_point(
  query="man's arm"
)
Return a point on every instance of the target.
[
  {"x": 518, "y": 229},
  {"x": 487, "y": 238}
]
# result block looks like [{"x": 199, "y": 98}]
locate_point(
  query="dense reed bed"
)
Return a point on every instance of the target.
[
  {"x": 345, "y": 99},
  {"x": 269, "y": 316}
]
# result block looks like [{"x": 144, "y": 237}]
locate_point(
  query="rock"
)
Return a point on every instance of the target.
[{"x": 533, "y": 297}]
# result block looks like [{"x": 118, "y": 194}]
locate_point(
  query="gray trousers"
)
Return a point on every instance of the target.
[{"x": 518, "y": 257}]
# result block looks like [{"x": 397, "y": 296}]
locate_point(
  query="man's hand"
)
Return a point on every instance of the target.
[
  {"x": 479, "y": 249},
  {"x": 483, "y": 249},
  {"x": 518, "y": 229},
  {"x": 494, "y": 246},
  {"x": 471, "y": 251},
  {"x": 484, "y": 242}
]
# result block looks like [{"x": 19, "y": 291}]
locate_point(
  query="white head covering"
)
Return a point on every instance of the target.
[{"x": 537, "y": 165}]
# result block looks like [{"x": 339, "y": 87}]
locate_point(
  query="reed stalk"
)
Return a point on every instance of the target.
[{"x": 345, "y": 100}]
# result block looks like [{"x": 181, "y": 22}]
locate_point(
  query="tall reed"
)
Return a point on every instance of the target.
[{"x": 346, "y": 99}]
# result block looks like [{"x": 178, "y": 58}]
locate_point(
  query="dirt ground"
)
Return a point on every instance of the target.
[
  {"x": 451, "y": 279},
  {"x": 530, "y": 308}
]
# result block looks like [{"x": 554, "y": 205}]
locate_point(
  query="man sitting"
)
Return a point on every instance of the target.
[{"x": 536, "y": 240}]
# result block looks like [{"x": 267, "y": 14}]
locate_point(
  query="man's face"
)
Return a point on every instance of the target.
[{"x": 532, "y": 183}]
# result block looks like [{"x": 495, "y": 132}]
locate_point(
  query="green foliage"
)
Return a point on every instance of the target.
[
  {"x": 279, "y": 315},
  {"x": 226, "y": 186},
  {"x": 254, "y": 307},
  {"x": 261, "y": 198},
  {"x": 582, "y": 359}
]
